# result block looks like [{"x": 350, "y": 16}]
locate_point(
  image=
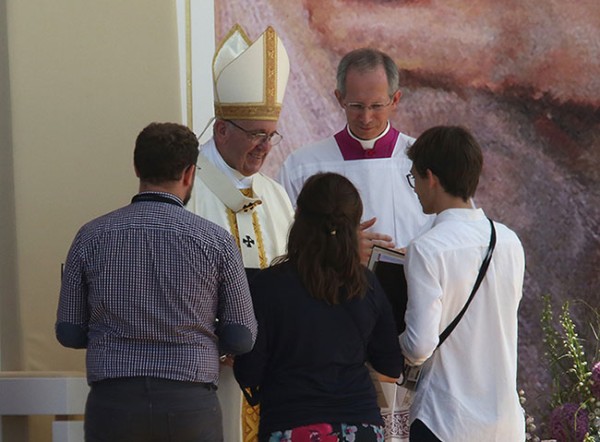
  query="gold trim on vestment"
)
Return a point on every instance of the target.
[
  {"x": 247, "y": 192},
  {"x": 262, "y": 255},
  {"x": 250, "y": 419},
  {"x": 251, "y": 415},
  {"x": 233, "y": 227}
]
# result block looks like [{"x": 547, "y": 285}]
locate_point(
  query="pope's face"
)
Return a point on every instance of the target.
[
  {"x": 367, "y": 103},
  {"x": 240, "y": 147}
]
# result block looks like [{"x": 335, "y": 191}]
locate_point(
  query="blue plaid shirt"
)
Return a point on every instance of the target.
[{"x": 147, "y": 282}]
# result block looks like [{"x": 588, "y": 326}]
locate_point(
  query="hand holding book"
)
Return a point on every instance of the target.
[{"x": 368, "y": 240}]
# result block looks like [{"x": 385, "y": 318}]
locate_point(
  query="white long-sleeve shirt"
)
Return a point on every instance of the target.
[{"x": 468, "y": 387}]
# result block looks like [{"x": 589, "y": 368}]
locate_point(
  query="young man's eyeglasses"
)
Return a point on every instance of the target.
[
  {"x": 260, "y": 137},
  {"x": 411, "y": 180}
]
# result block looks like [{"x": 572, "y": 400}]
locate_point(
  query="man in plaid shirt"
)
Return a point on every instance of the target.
[{"x": 155, "y": 294}]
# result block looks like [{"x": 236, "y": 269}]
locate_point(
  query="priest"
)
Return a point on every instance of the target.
[{"x": 370, "y": 152}]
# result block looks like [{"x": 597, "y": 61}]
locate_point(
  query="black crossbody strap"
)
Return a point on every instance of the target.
[{"x": 484, "y": 266}]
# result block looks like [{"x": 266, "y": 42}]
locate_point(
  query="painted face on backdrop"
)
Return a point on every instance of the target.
[
  {"x": 479, "y": 43},
  {"x": 247, "y": 143},
  {"x": 367, "y": 102}
]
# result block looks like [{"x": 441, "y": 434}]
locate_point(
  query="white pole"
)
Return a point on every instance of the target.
[{"x": 196, "y": 25}]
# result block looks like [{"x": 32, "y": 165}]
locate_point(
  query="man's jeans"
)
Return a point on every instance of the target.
[{"x": 148, "y": 409}]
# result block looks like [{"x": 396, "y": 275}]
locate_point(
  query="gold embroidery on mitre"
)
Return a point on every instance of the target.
[
  {"x": 236, "y": 28},
  {"x": 233, "y": 30},
  {"x": 270, "y": 49},
  {"x": 247, "y": 111},
  {"x": 269, "y": 109}
]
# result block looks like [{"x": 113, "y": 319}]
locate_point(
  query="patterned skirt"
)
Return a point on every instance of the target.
[{"x": 329, "y": 433}]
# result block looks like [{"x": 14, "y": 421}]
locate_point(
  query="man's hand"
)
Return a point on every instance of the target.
[
  {"x": 369, "y": 239},
  {"x": 226, "y": 360}
]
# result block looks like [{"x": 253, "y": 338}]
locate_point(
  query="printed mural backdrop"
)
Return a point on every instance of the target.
[{"x": 523, "y": 75}]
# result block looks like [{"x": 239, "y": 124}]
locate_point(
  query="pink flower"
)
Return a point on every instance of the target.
[
  {"x": 596, "y": 380},
  {"x": 569, "y": 423},
  {"x": 314, "y": 433}
]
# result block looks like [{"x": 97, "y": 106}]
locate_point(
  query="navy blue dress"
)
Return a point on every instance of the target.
[{"x": 308, "y": 363}]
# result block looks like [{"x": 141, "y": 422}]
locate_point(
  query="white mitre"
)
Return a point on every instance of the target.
[{"x": 249, "y": 79}]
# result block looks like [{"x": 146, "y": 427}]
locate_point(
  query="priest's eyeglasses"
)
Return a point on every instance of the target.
[
  {"x": 360, "y": 107},
  {"x": 260, "y": 137},
  {"x": 411, "y": 180}
]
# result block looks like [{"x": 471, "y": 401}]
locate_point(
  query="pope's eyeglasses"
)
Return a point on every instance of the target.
[{"x": 260, "y": 137}]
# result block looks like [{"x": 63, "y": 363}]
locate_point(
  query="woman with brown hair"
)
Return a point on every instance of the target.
[{"x": 321, "y": 317}]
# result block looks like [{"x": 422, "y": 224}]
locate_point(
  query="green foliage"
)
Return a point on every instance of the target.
[
  {"x": 569, "y": 363},
  {"x": 571, "y": 360}
]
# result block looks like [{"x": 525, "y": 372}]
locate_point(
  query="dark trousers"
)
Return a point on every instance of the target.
[
  {"x": 420, "y": 433},
  {"x": 147, "y": 409}
]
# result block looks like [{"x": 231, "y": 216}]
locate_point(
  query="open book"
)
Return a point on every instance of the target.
[{"x": 388, "y": 266}]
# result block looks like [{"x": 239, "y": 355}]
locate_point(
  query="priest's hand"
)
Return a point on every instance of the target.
[{"x": 369, "y": 239}]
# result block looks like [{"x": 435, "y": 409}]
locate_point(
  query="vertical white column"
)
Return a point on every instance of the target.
[{"x": 196, "y": 24}]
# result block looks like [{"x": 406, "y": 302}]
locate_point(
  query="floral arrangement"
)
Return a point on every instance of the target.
[{"x": 575, "y": 390}]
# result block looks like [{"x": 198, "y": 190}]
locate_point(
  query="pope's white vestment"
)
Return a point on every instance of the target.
[{"x": 259, "y": 218}]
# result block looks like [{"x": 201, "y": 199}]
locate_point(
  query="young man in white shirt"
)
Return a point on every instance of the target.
[{"x": 467, "y": 389}]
